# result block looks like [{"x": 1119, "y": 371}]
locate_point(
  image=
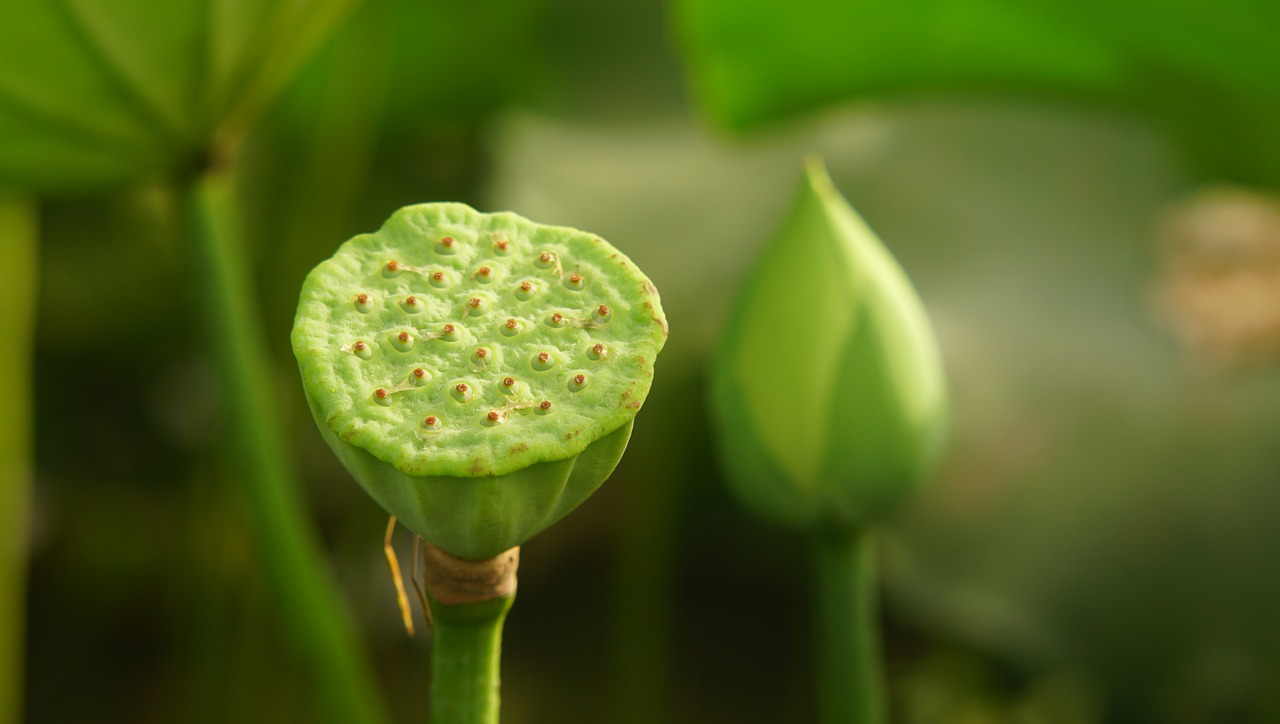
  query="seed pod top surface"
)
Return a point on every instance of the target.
[{"x": 456, "y": 343}]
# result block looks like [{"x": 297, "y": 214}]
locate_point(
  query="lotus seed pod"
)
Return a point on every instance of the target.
[
  {"x": 513, "y": 421},
  {"x": 828, "y": 388}
]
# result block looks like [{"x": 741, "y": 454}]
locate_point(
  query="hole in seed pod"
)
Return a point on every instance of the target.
[
  {"x": 363, "y": 303},
  {"x": 597, "y": 351},
  {"x": 411, "y": 305},
  {"x": 420, "y": 376},
  {"x": 431, "y": 422},
  {"x": 449, "y": 333},
  {"x": 544, "y": 407},
  {"x": 578, "y": 382},
  {"x": 439, "y": 279},
  {"x": 556, "y": 319},
  {"x": 361, "y": 350},
  {"x": 403, "y": 341},
  {"x": 476, "y": 306},
  {"x": 481, "y": 356},
  {"x": 543, "y": 361},
  {"x": 447, "y": 245},
  {"x": 484, "y": 275},
  {"x": 382, "y": 397},
  {"x": 391, "y": 268},
  {"x": 511, "y": 327},
  {"x": 525, "y": 290},
  {"x": 546, "y": 260},
  {"x": 461, "y": 392},
  {"x": 574, "y": 282},
  {"x": 502, "y": 247}
]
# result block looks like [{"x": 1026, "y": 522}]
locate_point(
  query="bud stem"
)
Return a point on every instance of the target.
[
  {"x": 466, "y": 645},
  {"x": 850, "y": 680}
]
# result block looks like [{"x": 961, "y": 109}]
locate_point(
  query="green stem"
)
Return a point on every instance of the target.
[
  {"x": 18, "y": 257},
  {"x": 850, "y": 683},
  {"x": 309, "y": 607},
  {"x": 465, "y": 652}
]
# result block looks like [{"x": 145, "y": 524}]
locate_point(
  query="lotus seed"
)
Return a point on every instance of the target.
[
  {"x": 524, "y": 292},
  {"x": 543, "y": 361},
  {"x": 402, "y": 342},
  {"x": 431, "y": 422},
  {"x": 361, "y": 350},
  {"x": 481, "y": 356},
  {"x": 476, "y": 306},
  {"x": 508, "y": 381},
  {"x": 411, "y": 305},
  {"x": 438, "y": 280},
  {"x": 597, "y": 351},
  {"x": 461, "y": 392},
  {"x": 603, "y": 311},
  {"x": 544, "y": 407},
  {"x": 382, "y": 397},
  {"x": 574, "y": 282},
  {"x": 546, "y": 260},
  {"x": 511, "y": 327},
  {"x": 449, "y": 333},
  {"x": 556, "y": 320},
  {"x": 578, "y": 383},
  {"x": 502, "y": 247},
  {"x": 420, "y": 376},
  {"x": 391, "y": 269},
  {"x": 363, "y": 303},
  {"x": 446, "y": 246}
]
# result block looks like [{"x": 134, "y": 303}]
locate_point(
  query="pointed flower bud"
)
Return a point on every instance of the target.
[{"x": 828, "y": 390}]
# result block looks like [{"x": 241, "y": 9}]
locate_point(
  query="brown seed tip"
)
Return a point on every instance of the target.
[
  {"x": 546, "y": 405},
  {"x": 557, "y": 318},
  {"x": 543, "y": 356},
  {"x": 484, "y": 271},
  {"x": 579, "y": 379},
  {"x": 508, "y": 381},
  {"x": 446, "y": 241},
  {"x": 430, "y": 421},
  {"x": 603, "y": 311},
  {"x": 358, "y": 346},
  {"x": 380, "y": 393},
  {"x": 482, "y": 352},
  {"x": 462, "y": 388},
  {"x": 545, "y": 257},
  {"x": 448, "y": 329},
  {"x": 404, "y": 336},
  {"x": 438, "y": 276},
  {"x": 474, "y": 302},
  {"x": 362, "y": 299},
  {"x": 598, "y": 349},
  {"x": 393, "y": 265},
  {"x": 512, "y": 324},
  {"x": 502, "y": 244},
  {"x": 575, "y": 278},
  {"x": 525, "y": 286},
  {"x": 494, "y": 416},
  {"x": 419, "y": 372},
  {"x": 410, "y": 301}
]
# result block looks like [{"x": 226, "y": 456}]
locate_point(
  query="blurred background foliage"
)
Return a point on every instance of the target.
[{"x": 1098, "y": 546}]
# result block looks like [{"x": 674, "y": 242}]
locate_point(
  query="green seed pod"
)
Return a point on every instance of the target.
[
  {"x": 828, "y": 389},
  {"x": 504, "y": 436}
]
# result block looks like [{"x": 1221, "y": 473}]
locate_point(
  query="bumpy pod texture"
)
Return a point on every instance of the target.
[
  {"x": 477, "y": 373},
  {"x": 828, "y": 388}
]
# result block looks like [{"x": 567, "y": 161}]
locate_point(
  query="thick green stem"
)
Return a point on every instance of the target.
[
  {"x": 308, "y": 602},
  {"x": 18, "y": 257},
  {"x": 465, "y": 654},
  {"x": 850, "y": 680}
]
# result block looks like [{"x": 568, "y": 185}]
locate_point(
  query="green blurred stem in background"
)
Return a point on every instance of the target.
[
  {"x": 18, "y": 257},
  {"x": 850, "y": 680},
  {"x": 316, "y": 620},
  {"x": 465, "y": 657}
]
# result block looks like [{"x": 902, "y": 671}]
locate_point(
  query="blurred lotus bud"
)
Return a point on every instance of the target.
[
  {"x": 1219, "y": 282},
  {"x": 829, "y": 393}
]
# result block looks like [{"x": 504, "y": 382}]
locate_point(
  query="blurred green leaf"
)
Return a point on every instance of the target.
[{"x": 93, "y": 94}]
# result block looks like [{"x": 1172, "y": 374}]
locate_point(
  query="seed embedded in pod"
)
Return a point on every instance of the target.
[
  {"x": 508, "y": 382},
  {"x": 481, "y": 356},
  {"x": 420, "y": 376},
  {"x": 556, "y": 319},
  {"x": 461, "y": 392},
  {"x": 545, "y": 260},
  {"x": 525, "y": 290},
  {"x": 543, "y": 361},
  {"x": 431, "y": 422},
  {"x": 484, "y": 275},
  {"x": 447, "y": 245},
  {"x": 411, "y": 305},
  {"x": 449, "y": 333},
  {"x": 361, "y": 350},
  {"x": 438, "y": 279},
  {"x": 574, "y": 281},
  {"x": 382, "y": 397},
  {"x": 501, "y": 247},
  {"x": 597, "y": 351},
  {"x": 578, "y": 382},
  {"x": 391, "y": 268},
  {"x": 476, "y": 306},
  {"x": 511, "y": 327},
  {"x": 364, "y": 304},
  {"x": 403, "y": 341},
  {"x": 544, "y": 407},
  {"x": 494, "y": 417}
]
